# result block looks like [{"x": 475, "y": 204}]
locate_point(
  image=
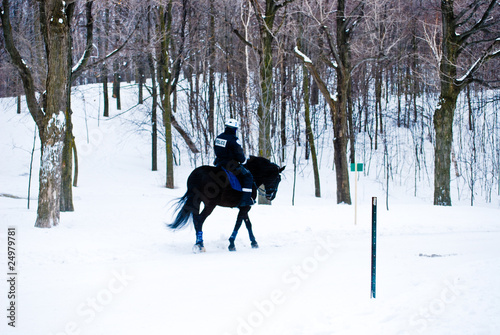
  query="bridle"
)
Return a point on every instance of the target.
[
  {"x": 271, "y": 191},
  {"x": 261, "y": 191}
]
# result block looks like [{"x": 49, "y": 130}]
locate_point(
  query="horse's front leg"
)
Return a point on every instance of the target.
[
  {"x": 248, "y": 224},
  {"x": 242, "y": 214},
  {"x": 237, "y": 226}
]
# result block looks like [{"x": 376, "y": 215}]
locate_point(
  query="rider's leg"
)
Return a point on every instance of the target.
[{"x": 246, "y": 180}]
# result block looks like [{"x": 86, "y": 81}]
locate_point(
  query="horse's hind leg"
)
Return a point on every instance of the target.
[{"x": 198, "y": 221}]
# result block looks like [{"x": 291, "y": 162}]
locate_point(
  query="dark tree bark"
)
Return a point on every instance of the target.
[
  {"x": 454, "y": 42},
  {"x": 340, "y": 145},
  {"x": 69, "y": 149},
  {"x": 104, "y": 69},
  {"x": 265, "y": 18},
  {"x": 284, "y": 96},
  {"x": 154, "y": 120},
  {"x": 310, "y": 135},
  {"x": 48, "y": 113},
  {"x": 345, "y": 25},
  {"x": 169, "y": 66},
  {"x": 211, "y": 73},
  {"x": 165, "y": 81},
  {"x": 116, "y": 84}
]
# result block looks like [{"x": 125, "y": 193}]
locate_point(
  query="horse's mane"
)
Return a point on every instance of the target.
[{"x": 263, "y": 163}]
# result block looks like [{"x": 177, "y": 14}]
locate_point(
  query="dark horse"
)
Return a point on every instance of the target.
[{"x": 210, "y": 185}]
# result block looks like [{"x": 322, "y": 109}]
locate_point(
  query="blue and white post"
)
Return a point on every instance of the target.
[{"x": 374, "y": 245}]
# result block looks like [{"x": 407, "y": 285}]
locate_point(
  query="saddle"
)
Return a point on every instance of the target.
[{"x": 233, "y": 180}]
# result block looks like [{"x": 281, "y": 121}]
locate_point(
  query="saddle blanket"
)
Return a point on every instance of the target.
[{"x": 233, "y": 181}]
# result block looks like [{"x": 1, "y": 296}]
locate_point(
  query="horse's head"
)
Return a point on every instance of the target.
[
  {"x": 265, "y": 173},
  {"x": 272, "y": 183}
]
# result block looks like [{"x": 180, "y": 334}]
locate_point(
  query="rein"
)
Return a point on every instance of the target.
[{"x": 262, "y": 192}]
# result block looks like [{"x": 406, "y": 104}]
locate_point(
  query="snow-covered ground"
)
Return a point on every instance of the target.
[{"x": 112, "y": 267}]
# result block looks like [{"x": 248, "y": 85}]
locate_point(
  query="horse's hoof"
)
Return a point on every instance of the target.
[
  {"x": 232, "y": 248},
  {"x": 255, "y": 245},
  {"x": 197, "y": 248}
]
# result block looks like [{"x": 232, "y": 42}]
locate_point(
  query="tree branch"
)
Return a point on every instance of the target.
[
  {"x": 471, "y": 8},
  {"x": 284, "y": 3},
  {"x": 493, "y": 51},
  {"x": 479, "y": 25},
  {"x": 191, "y": 145},
  {"x": 247, "y": 43},
  {"x": 332, "y": 47},
  {"x": 25, "y": 73},
  {"x": 78, "y": 68},
  {"x": 178, "y": 61},
  {"x": 353, "y": 18},
  {"x": 112, "y": 53},
  {"x": 317, "y": 78}
]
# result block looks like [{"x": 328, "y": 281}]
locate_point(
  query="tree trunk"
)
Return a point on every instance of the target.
[
  {"x": 340, "y": 145},
  {"x": 104, "y": 69},
  {"x": 116, "y": 85},
  {"x": 66, "y": 204},
  {"x": 340, "y": 117},
  {"x": 284, "y": 95},
  {"x": 154, "y": 125},
  {"x": 444, "y": 113},
  {"x": 167, "y": 122},
  {"x": 48, "y": 112},
  {"x": 452, "y": 45},
  {"x": 53, "y": 125},
  {"x": 75, "y": 154},
  {"x": 340, "y": 133},
  {"x": 266, "y": 86},
  {"x": 211, "y": 73},
  {"x": 164, "y": 81},
  {"x": 48, "y": 212},
  {"x": 378, "y": 101},
  {"x": 266, "y": 24},
  {"x": 310, "y": 135},
  {"x": 443, "y": 125},
  {"x": 69, "y": 149},
  {"x": 105, "y": 91},
  {"x": 140, "y": 80}
]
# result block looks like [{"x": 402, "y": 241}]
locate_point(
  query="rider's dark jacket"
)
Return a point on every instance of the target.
[{"x": 229, "y": 153}]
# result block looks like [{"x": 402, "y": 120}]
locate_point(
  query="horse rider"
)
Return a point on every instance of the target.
[{"x": 229, "y": 155}]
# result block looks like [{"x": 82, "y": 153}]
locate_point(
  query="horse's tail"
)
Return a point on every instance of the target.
[{"x": 186, "y": 207}]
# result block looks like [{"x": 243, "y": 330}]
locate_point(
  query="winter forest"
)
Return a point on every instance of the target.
[
  {"x": 107, "y": 106},
  {"x": 360, "y": 77}
]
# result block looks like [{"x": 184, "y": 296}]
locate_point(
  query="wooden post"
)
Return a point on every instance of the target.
[{"x": 356, "y": 167}]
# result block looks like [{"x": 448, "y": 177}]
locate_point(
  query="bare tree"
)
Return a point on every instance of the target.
[
  {"x": 47, "y": 110},
  {"x": 470, "y": 38},
  {"x": 265, "y": 14}
]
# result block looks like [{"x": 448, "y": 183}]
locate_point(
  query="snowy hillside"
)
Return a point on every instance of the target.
[{"x": 112, "y": 267}]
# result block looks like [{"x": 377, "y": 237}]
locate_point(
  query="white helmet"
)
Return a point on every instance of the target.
[{"x": 232, "y": 123}]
